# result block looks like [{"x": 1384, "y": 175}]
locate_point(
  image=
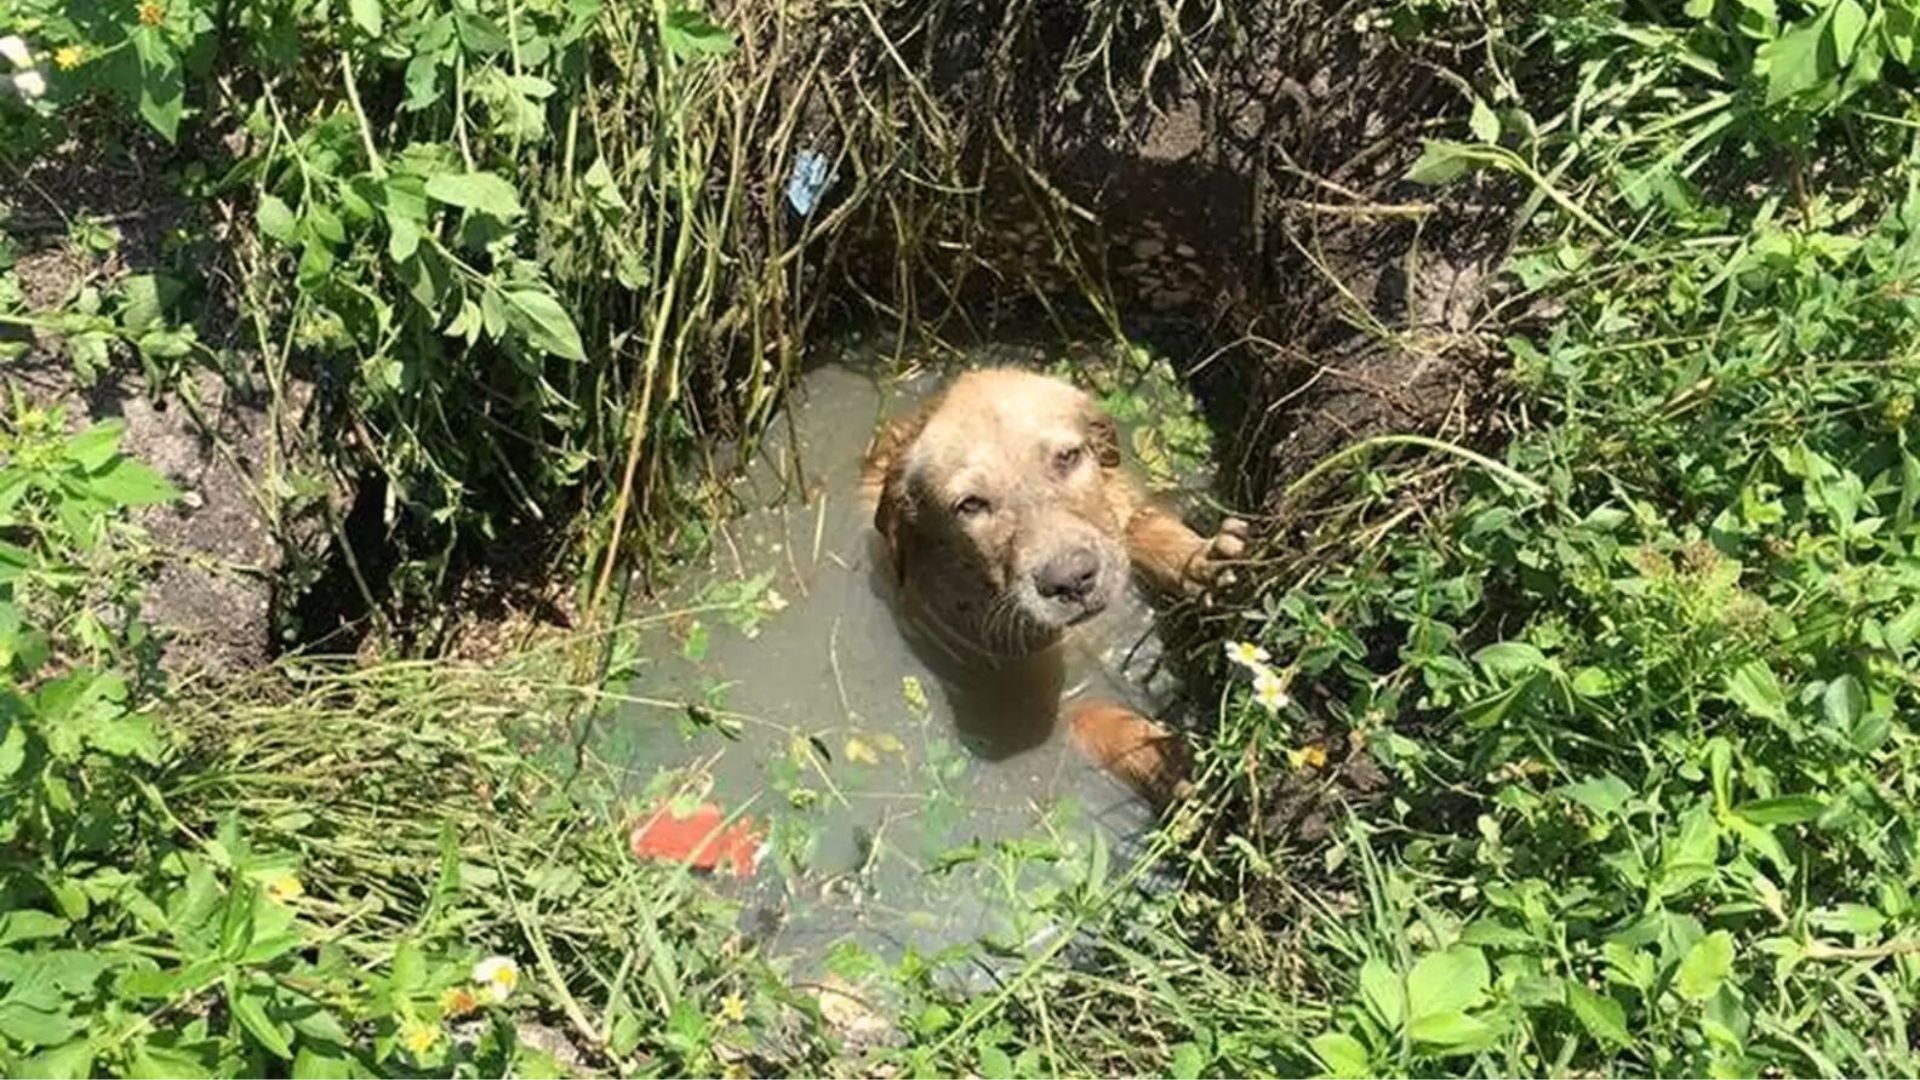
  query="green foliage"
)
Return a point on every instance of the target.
[
  {"x": 1648, "y": 731},
  {"x": 284, "y": 881}
]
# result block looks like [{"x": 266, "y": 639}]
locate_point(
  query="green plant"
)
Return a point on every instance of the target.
[{"x": 1645, "y": 713}]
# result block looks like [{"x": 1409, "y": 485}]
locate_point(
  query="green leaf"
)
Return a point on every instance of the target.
[
  {"x": 1454, "y": 1032},
  {"x": 1447, "y": 981},
  {"x": 995, "y": 1064},
  {"x": 162, "y": 90},
  {"x": 1858, "y": 919},
  {"x": 275, "y": 218},
  {"x": 152, "y": 1061},
  {"x": 34, "y": 1026},
  {"x": 1510, "y": 658},
  {"x": 1901, "y": 28},
  {"x": 689, "y": 35},
  {"x": 1845, "y": 21},
  {"x": 129, "y": 736},
  {"x": 1843, "y": 701},
  {"x": 366, "y": 15},
  {"x": 1442, "y": 162},
  {"x": 1187, "y": 1062},
  {"x": 403, "y": 238},
  {"x": 1705, "y": 966},
  {"x": 26, "y": 924},
  {"x": 69, "y": 1062},
  {"x": 409, "y": 967},
  {"x": 545, "y": 323},
  {"x": 143, "y": 301},
  {"x": 1755, "y": 688},
  {"x": 95, "y": 446},
  {"x": 1384, "y": 992},
  {"x": 1600, "y": 1014},
  {"x": 1792, "y": 61},
  {"x": 1342, "y": 1054},
  {"x": 127, "y": 482},
  {"x": 479, "y": 191},
  {"x": 1785, "y": 810},
  {"x": 252, "y": 1014},
  {"x": 1606, "y": 795},
  {"x": 1484, "y": 124}
]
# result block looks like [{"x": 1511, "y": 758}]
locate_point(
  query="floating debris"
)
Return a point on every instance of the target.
[{"x": 702, "y": 840}]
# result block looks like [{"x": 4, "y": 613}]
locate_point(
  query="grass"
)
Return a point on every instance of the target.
[{"x": 1636, "y": 677}]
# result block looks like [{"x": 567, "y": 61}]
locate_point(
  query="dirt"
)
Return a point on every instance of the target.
[{"x": 212, "y": 599}]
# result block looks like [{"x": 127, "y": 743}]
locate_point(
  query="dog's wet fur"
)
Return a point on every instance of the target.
[{"x": 1007, "y": 519}]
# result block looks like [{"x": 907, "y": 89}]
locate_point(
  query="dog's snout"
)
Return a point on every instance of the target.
[{"x": 1070, "y": 575}]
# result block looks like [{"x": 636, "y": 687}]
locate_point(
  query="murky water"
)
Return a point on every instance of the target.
[{"x": 894, "y": 825}]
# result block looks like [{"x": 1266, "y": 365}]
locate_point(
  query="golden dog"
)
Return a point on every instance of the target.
[{"x": 1007, "y": 519}]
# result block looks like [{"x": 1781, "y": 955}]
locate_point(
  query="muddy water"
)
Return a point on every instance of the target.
[{"x": 893, "y": 824}]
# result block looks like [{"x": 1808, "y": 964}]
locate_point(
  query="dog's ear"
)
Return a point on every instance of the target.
[
  {"x": 1104, "y": 436},
  {"x": 885, "y": 474}
]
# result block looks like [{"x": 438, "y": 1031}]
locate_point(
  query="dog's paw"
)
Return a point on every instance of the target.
[{"x": 1209, "y": 565}]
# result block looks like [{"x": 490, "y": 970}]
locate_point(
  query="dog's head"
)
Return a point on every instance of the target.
[{"x": 996, "y": 510}]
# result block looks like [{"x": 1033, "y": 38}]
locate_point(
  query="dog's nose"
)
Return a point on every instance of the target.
[{"x": 1068, "y": 576}]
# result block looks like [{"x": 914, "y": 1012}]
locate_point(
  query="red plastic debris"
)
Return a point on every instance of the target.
[{"x": 702, "y": 839}]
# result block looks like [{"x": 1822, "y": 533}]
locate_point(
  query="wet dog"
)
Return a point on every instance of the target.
[{"x": 1007, "y": 519}]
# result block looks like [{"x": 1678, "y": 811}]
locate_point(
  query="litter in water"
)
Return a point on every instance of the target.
[{"x": 702, "y": 839}]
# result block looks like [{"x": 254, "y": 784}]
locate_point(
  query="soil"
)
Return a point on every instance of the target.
[{"x": 212, "y": 599}]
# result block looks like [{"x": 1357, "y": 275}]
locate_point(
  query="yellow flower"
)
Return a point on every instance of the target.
[
  {"x": 497, "y": 976},
  {"x": 735, "y": 1070},
  {"x": 68, "y": 57},
  {"x": 1247, "y": 655},
  {"x": 1308, "y": 757},
  {"x": 733, "y": 1008},
  {"x": 458, "y": 1001},
  {"x": 419, "y": 1037},
  {"x": 285, "y": 888},
  {"x": 1270, "y": 691},
  {"x": 152, "y": 13}
]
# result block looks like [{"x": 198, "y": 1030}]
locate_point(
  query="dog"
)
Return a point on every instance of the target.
[{"x": 1006, "y": 519}]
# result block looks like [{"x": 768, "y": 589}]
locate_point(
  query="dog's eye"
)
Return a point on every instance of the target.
[
  {"x": 1066, "y": 460},
  {"x": 971, "y": 506}
]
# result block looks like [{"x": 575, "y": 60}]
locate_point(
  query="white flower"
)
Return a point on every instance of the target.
[
  {"x": 14, "y": 48},
  {"x": 1271, "y": 691},
  {"x": 496, "y": 976},
  {"x": 1247, "y": 655},
  {"x": 29, "y": 85}
]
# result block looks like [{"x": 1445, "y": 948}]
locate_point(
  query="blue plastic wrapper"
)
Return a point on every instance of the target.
[{"x": 808, "y": 180}]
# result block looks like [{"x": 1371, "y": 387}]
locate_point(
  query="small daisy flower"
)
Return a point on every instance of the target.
[
  {"x": 733, "y": 1008},
  {"x": 152, "y": 14},
  {"x": 457, "y": 1002},
  {"x": 285, "y": 888},
  {"x": 1308, "y": 757},
  {"x": 1270, "y": 691},
  {"x": 496, "y": 976},
  {"x": 30, "y": 85},
  {"x": 14, "y": 48},
  {"x": 1247, "y": 655},
  {"x": 419, "y": 1037},
  {"x": 68, "y": 57},
  {"x": 775, "y": 602}
]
